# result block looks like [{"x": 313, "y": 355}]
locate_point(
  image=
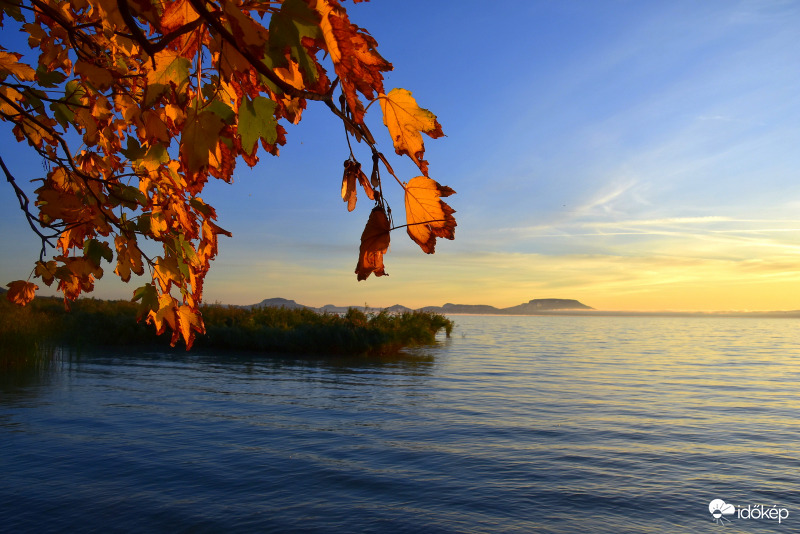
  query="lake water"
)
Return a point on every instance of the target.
[{"x": 514, "y": 424}]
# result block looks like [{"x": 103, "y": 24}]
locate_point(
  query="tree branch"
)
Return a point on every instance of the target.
[
  {"x": 257, "y": 64},
  {"x": 24, "y": 204}
]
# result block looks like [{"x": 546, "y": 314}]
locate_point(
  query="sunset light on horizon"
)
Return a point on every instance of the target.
[{"x": 632, "y": 156}]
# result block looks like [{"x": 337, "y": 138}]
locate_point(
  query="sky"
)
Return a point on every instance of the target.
[{"x": 630, "y": 155}]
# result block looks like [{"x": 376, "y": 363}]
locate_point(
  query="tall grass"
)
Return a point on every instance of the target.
[
  {"x": 44, "y": 323},
  {"x": 26, "y": 338}
]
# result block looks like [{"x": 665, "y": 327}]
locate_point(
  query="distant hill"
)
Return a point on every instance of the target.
[
  {"x": 532, "y": 307},
  {"x": 475, "y": 309},
  {"x": 539, "y": 305},
  {"x": 277, "y": 303}
]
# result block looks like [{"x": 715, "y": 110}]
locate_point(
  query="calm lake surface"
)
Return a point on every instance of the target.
[{"x": 514, "y": 424}]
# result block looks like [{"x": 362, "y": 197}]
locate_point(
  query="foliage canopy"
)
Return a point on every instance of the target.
[{"x": 135, "y": 104}]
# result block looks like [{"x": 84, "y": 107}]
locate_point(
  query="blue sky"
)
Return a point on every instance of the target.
[{"x": 632, "y": 155}]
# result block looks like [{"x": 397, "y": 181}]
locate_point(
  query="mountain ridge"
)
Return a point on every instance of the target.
[{"x": 532, "y": 307}]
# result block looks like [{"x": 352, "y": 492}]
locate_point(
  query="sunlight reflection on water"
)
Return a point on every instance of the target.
[{"x": 515, "y": 424}]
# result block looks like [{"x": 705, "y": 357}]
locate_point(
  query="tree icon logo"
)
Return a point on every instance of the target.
[{"x": 719, "y": 508}]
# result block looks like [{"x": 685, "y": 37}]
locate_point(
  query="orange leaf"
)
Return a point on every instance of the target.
[
  {"x": 176, "y": 14},
  {"x": 165, "y": 315},
  {"x": 46, "y": 271},
  {"x": 189, "y": 322},
  {"x": 428, "y": 217},
  {"x": 349, "y": 185},
  {"x": 406, "y": 121},
  {"x": 97, "y": 76},
  {"x": 374, "y": 244},
  {"x": 355, "y": 59},
  {"x": 353, "y": 173},
  {"x": 21, "y": 292},
  {"x": 129, "y": 258}
]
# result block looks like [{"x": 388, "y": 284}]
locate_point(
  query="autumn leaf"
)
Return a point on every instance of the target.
[
  {"x": 176, "y": 14},
  {"x": 374, "y": 244},
  {"x": 349, "y": 185},
  {"x": 167, "y": 271},
  {"x": 21, "y": 292},
  {"x": 257, "y": 121},
  {"x": 165, "y": 315},
  {"x": 406, "y": 121},
  {"x": 287, "y": 29},
  {"x": 353, "y": 52},
  {"x": 171, "y": 69},
  {"x": 148, "y": 295},
  {"x": 129, "y": 258},
  {"x": 428, "y": 217},
  {"x": 189, "y": 322},
  {"x": 353, "y": 174},
  {"x": 46, "y": 271},
  {"x": 134, "y": 106},
  {"x": 10, "y": 64},
  {"x": 99, "y": 77},
  {"x": 95, "y": 250},
  {"x": 200, "y": 136}
]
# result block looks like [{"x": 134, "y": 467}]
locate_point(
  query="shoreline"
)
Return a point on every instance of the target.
[{"x": 794, "y": 314}]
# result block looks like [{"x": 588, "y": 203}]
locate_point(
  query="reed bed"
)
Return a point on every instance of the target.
[{"x": 34, "y": 332}]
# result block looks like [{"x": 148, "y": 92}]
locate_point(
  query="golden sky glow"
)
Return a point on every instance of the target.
[{"x": 633, "y": 157}]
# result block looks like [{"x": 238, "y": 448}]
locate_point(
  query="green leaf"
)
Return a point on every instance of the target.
[
  {"x": 202, "y": 207},
  {"x": 257, "y": 120},
  {"x": 155, "y": 156},
  {"x": 33, "y": 97},
  {"x": 96, "y": 250},
  {"x": 74, "y": 92},
  {"x": 143, "y": 223},
  {"x": 49, "y": 78},
  {"x": 149, "y": 300},
  {"x": 127, "y": 195},
  {"x": 134, "y": 150},
  {"x": 223, "y": 111},
  {"x": 12, "y": 9},
  {"x": 62, "y": 113},
  {"x": 287, "y": 28}
]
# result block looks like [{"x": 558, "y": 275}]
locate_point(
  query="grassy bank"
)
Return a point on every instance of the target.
[{"x": 44, "y": 324}]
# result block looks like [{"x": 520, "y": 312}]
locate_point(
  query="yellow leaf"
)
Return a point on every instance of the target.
[
  {"x": 11, "y": 94},
  {"x": 167, "y": 272},
  {"x": 9, "y": 64},
  {"x": 428, "y": 217},
  {"x": 21, "y": 292},
  {"x": 165, "y": 315},
  {"x": 406, "y": 121},
  {"x": 374, "y": 244}
]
